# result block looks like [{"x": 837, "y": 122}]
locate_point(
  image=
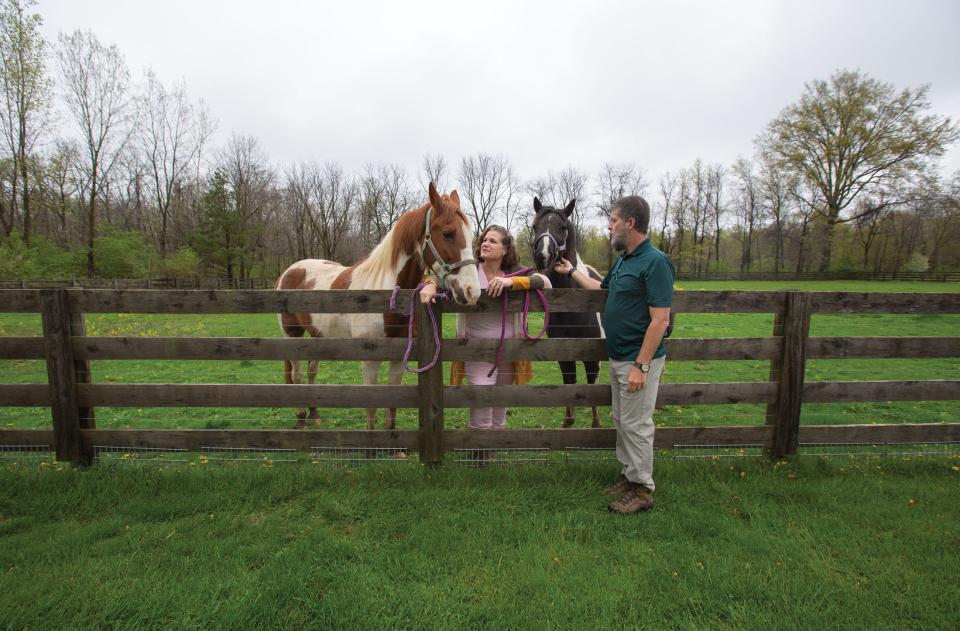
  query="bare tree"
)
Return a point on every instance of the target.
[
  {"x": 95, "y": 82},
  {"x": 433, "y": 169},
  {"x": 616, "y": 181},
  {"x": 385, "y": 195},
  {"x": 171, "y": 134},
  {"x": 668, "y": 186},
  {"x": 487, "y": 185},
  {"x": 250, "y": 179},
  {"x": 747, "y": 209}
]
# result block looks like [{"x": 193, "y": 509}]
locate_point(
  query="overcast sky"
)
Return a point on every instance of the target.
[{"x": 546, "y": 84}]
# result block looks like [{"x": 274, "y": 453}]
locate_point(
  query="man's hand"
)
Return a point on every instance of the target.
[
  {"x": 563, "y": 266},
  {"x": 636, "y": 380}
]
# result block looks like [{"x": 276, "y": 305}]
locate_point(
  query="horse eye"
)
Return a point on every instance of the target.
[{"x": 448, "y": 236}]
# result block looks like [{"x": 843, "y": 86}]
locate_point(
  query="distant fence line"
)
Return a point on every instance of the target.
[{"x": 267, "y": 283}]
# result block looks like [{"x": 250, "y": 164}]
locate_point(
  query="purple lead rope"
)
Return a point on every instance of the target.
[
  {"x": 436, "y": 331},
  {"x": 524, "y": 325}
]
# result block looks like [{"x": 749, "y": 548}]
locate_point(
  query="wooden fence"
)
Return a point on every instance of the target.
[
  {"x": 194, "y": 282},
  {"x": 72, "y": 398}
]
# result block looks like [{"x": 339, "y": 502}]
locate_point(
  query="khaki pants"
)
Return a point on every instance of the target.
[{"x": 632, "y": 414}]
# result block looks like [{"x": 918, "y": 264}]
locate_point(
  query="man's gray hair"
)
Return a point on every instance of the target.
[{"x": 635, "y": 207}]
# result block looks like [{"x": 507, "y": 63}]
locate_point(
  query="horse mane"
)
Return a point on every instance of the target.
[{"x": 381, "y": 267}]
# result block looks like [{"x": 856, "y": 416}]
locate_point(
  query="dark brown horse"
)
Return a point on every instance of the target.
[
  {"x": 435, "y": 236},
  {"x": 555, "y": 237}
]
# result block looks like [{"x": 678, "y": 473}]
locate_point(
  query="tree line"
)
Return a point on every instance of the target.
[{"x": 108, "y": 176}]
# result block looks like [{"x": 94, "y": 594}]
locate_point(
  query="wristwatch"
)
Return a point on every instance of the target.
[
  {"x": 643, "y": 367},
  {"x": 572, "y": 270}
]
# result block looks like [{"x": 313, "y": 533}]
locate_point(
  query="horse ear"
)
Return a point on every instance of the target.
[
  {"x": 568, "y": 209},
  {"x": 454, "y": 197},
  {"x": 434, "y": 196},
  {"x": 537, "y": 206}
]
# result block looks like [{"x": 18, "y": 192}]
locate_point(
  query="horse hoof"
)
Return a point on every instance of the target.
[{"x": 568, "y": 422}]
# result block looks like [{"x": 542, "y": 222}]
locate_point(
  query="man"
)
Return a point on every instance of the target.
[{"x": 636, "y": 317}]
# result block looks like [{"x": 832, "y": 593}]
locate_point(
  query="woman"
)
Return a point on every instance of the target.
[{"x": 497, "y": 257}]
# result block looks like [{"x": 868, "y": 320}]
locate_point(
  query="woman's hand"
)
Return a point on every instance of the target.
[
  {"x": 563, "y": 266},
  {"x": 496, "y": 286},
  {"x": 428, "y": 293}
]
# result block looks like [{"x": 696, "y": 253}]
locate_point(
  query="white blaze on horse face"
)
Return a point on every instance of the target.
[
  {"x": 544, "y": 244},
  {"x": 467, "y": 279}
]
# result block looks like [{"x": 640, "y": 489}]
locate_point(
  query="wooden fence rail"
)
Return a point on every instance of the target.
[{"x": 72, "y": 398}]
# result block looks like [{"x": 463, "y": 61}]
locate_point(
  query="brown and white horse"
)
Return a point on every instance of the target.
[{"x": 445, "y": 246}]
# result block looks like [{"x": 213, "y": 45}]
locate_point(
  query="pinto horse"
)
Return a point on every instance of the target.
[
  {"x": 554, "y": 237},
  {"x": 435, "y": 236}
]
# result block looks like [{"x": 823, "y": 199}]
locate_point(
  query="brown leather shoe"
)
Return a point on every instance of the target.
[
  {"x": 621, "y": 486},
  {"x": 638, "y": 499}
]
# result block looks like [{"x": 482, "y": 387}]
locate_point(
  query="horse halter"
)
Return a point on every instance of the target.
[
  {"x": 446, "y": 269},
  {"x": 561, "y": 247}
]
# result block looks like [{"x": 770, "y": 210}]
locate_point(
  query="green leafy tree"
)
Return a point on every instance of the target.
[
  {"x": 26, "y": 93},
  {"x": 219, "y": 239},
  {"x": 853, "y": 136}
]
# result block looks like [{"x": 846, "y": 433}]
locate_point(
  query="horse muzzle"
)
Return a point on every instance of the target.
[{"x": 464, "y": 286}]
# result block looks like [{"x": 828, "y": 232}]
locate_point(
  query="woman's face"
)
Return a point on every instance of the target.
[{"x": 491, "y": 246}]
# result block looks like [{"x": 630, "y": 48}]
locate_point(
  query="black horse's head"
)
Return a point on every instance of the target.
[{"x": 553, "y": 234}]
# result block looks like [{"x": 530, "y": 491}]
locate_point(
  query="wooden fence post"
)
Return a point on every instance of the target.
[
  {"x": 61, "y": 376},
  {"x": 429, "y": 384},
  {"x": 788, "y": 371}
]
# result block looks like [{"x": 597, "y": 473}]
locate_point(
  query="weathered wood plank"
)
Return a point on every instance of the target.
[
  {"x": 301, "y": 440},
  {"x": 879, "y": 434},
  {"x": 235, "y": 348},
  {"x": 882, "y": 347},
  {"x": 20, "y": 301},
  {"x": 596, "y": 348},
  {"x": 61, "y": 378},
  {"x": 246, "y": 395},
  {"x": 81, "y": 370},
  {"x": 22, "y": 348},
  {"x": 792, "y": 365},
  {"x": 24, "y": 395},
  {"x": 235, "y": 301},
  {"x": 588, "y": 395},
  {"x": 430, "y": 388},
  {"x": 858, "y": 391},
  {"x": 884, "y": 302},
  {"x": 26, "y": 437}
]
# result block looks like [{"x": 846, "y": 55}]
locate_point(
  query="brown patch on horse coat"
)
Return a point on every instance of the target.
[
  {"x": 295, "y": 278},
  {"x": 395, "y": 325},
  {"x": 343, "y": 279}
]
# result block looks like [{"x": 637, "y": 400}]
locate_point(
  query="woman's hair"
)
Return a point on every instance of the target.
[{"x": 510, "y": 259}]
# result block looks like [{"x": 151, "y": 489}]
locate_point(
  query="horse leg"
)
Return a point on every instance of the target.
[
  {"x": 395, "y": 378},
  {"x": 292, "y": 375},
  {"x": 592, "y": 369},
  {"x": 568, "y": 369},
  {"x": 371, "y": 373},
  {"x": 312, "y": 379}
]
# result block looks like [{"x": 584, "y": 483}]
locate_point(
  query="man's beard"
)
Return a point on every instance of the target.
[{"x": 618, "y": 241}]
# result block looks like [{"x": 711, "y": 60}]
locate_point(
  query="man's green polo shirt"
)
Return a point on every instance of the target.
[{"x": 637, "y": 281}]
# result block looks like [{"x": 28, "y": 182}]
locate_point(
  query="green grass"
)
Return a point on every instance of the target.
[
  {"x": 688, "y": 325},
  {"x": 740, "y": 544}
]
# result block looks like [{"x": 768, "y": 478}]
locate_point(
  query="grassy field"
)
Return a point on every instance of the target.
[
  {"x": 732, "y": 543},
  {"x": 735, "y": 541}
]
